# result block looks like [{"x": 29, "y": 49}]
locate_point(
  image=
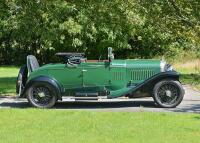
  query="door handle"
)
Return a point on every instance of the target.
[{"x": 84, "y": 70}]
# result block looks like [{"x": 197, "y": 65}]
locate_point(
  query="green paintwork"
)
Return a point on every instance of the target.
[{"x": 114, "y": 76}]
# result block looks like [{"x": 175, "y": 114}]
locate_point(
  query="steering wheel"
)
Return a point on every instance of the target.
[{"x": 74, "y": 60}]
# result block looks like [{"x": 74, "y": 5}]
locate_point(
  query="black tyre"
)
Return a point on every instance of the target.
[
  {"x": 42, "y": 95},
  {"x": 168, "y": 93}
]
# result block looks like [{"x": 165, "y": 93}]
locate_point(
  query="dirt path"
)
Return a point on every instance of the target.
[{"x": 191, "y": 103}]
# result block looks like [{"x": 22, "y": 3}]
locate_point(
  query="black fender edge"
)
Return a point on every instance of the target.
[
  {"x": 148, "y": 84},
  {"x": 46, "y": 79}
]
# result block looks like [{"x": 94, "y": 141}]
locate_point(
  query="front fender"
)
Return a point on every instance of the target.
[
  {"x": 46, "y": 79},
  {"x": 147, "y": 85}
]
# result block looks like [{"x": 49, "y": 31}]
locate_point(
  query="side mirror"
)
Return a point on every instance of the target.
[{"x": 110, "y": 54}]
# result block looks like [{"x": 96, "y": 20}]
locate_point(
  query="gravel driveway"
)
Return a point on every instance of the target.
[{"x": 191, "y": 103}]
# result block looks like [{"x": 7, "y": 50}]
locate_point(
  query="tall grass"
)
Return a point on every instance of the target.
[
  {"x": 188, "y": 67},
  {"x": 190, "y": 71}
]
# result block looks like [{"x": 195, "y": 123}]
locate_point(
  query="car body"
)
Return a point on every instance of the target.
[{"x": 80, "y": 78}]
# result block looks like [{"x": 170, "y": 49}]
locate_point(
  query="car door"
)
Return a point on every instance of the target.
[
  {"x": 70, "y": 76},
  {"x": 95, "y": 74}
]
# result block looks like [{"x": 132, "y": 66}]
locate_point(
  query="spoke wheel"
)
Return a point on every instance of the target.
[
  {"x": 42, "y": 95},
  {"x": 168, "y": 93}
]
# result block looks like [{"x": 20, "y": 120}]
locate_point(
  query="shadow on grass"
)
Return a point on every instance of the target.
[
  {"x": 7, "y": 85},
  {"x": 193, "y": 79},
  {"x": 197, "y": 117}
]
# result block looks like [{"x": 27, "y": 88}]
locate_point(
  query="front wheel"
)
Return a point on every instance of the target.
[
  {"x": 41, "y": 95},
  {"x": 168, "y": 93}
]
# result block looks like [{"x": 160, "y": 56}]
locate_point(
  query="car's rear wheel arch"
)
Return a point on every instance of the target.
[{"x": 48, "y": 80}]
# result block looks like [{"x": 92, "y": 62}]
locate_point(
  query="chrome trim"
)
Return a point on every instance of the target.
[
  {"x": 169, "y": 68},
  {"x": 162, "y": 65}
]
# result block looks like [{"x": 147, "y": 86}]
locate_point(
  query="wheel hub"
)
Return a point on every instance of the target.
[
  {"x": 41, "y": 94},
  {"x": 168, "y": 93}
]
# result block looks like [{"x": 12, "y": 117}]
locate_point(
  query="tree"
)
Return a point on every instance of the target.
[{"x": 134, "y": 28}]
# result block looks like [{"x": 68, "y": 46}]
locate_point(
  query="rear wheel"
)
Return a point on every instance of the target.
[
  {"x": 42, "y": 95},
  {"x": 168, "y": 93}
]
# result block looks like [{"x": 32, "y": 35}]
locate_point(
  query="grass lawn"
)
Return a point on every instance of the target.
[
  {"x": 46, "y": 126},
  {"x": 7, "y": 80}
]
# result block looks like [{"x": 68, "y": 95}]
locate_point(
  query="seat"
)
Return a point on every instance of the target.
[{"x": 32, "y": 63}]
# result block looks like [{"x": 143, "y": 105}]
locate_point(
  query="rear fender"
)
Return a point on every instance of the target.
[{"x": 46, "y": 79}]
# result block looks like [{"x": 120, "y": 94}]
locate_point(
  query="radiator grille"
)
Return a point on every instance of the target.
[
  {"x": 118, "y": 75},
  {"x": 140, "y": 74}
]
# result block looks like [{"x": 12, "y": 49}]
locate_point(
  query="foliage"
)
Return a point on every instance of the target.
[{"x": 135, "y": 28}]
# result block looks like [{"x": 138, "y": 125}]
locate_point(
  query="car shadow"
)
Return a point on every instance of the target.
[
  {"x": 15, "y": 105},
  {"x": 190, "y": 108},
  {"x": 104, "y": 105},
  {"x": 108, "y": 106},
  {"x": 85, "y": 105}
]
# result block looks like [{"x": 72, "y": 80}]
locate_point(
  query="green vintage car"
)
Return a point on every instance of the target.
[{"x": 82, "y": 79}]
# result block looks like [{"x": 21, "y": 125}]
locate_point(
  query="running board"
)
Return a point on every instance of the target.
[
  {"x": 99, "y": 98},
  {"x": 73, "y": 98},
  {"x": 86, "y": 94}
]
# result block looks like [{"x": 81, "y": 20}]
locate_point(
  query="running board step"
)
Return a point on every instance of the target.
[
  {"x": 86, "y": 94},
  {"x": 72, "y": 98},
  {"x": 86, "y": 98}
]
